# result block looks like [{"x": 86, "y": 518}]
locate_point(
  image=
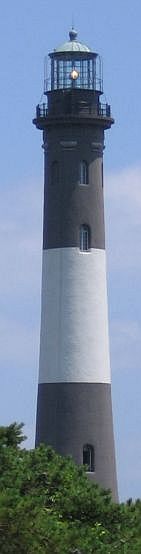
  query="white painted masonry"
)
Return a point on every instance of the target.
[{"x": 74, "y": 345}]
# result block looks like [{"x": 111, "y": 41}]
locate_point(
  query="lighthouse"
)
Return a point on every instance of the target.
[{"x": 74, "y": 407}]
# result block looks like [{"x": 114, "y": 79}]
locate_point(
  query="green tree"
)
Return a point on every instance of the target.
[{"x": 12, "y": 435}]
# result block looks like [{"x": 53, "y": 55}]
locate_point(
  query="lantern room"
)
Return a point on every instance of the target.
[
  {"x": 73, "y": 85},
  {"x": 74, "y": 65}
]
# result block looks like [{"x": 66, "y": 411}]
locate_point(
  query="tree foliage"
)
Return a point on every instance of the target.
[
  {"x": 48, "y": 506},
  {"x": 12, "y": 435}
]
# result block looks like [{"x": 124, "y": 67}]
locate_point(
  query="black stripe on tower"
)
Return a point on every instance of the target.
[
  {"x": 67, "y": 203},
  {"x": 71, "y": 415}
]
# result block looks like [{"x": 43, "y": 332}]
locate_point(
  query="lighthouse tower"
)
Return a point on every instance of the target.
[{"x": 74, "y": 410}]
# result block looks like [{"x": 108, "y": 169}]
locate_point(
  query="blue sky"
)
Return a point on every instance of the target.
[{"x": 28, "y": 31}]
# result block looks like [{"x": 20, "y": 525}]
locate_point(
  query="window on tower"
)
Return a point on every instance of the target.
[
  {"x": 83, "y": 170},
  {"x": 84, "y": 238},
  {"x": 88, "y": 457}
]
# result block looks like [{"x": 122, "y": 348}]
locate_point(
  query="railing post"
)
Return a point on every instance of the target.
[{"x": 38, "y": 111}]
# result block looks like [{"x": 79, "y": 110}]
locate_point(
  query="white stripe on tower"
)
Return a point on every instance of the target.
[{"x": 74, "y": 345}]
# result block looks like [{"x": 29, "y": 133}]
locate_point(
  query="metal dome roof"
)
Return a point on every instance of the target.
[{"x": 72, "y": 45}]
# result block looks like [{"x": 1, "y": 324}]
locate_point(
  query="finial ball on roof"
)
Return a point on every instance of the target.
[{"x": 73, "y": 34}]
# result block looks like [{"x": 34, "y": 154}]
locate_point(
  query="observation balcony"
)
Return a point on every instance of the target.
[
  {"x": 103, "y": 110},
  {"x": 77, "y": 110}
]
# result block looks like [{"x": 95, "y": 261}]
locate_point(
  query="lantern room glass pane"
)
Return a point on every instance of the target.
[{"x": 62, "y": 71}]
